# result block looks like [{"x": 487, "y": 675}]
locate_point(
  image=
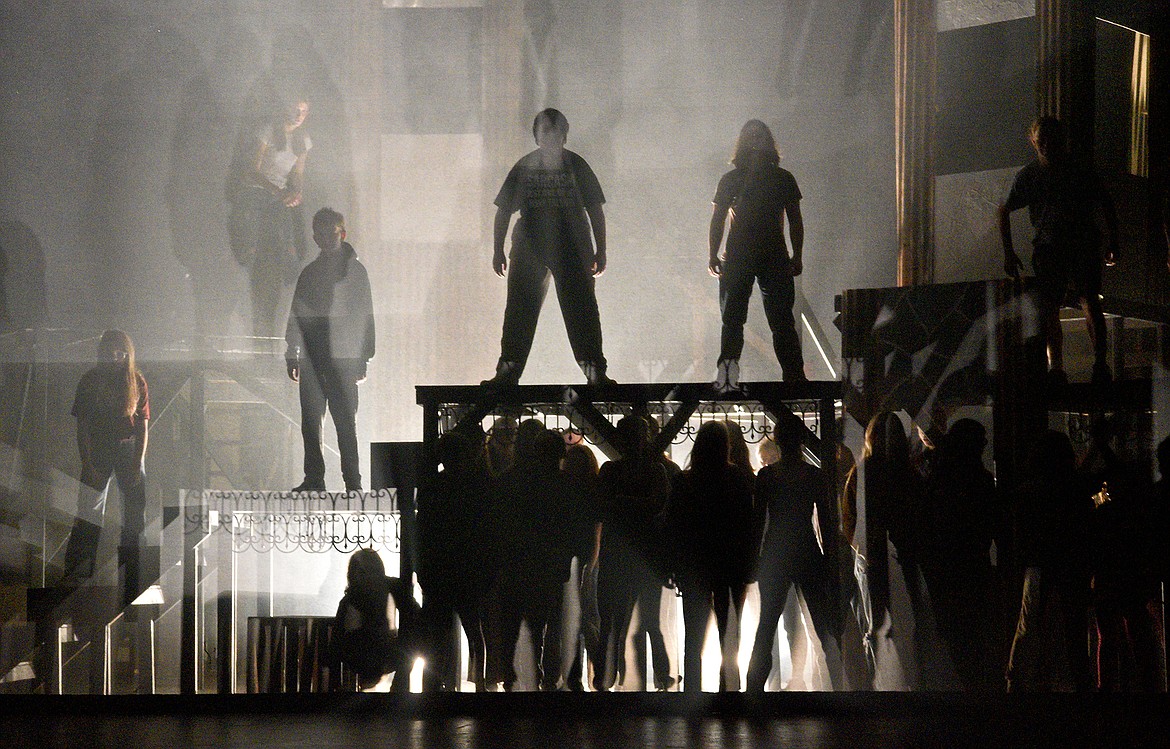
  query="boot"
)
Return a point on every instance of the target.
[
  {"x": 595, "y": 374},
  {"x": 507, "y": 374},
  {"x": 81, "y": 552},
  {"x": 726, "y": 376}
]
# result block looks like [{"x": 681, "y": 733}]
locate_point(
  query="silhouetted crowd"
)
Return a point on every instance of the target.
[{"x": 1052, "y": 584}]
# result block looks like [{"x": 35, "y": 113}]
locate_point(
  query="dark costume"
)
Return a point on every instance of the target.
[
  {"x": 1061, "y": 199},
  {"x": 1054, "y": 519},
  {"x": 551, "y": 237},
  {"x": 710, "y": 522},
  {"x": 451, "y": 568},
  {"x": 631, "y": 567},
  {"x": 532, "y": 553},
  {"x": 364, "y": 641},
  {"x": 114, "y": 451},
  {"x": 790, "y": 555},
  {"x": 330, "y": 338},
  {"x": 757, "y": 252}
]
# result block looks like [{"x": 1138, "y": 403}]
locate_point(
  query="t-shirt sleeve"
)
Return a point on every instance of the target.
[
  {"x": 791, "y": 189},
  {"x": 587, "y": 183},
  {"x": 1021, "y": 193},
  {"x": 82, "y": 399},
  {"x": 726, "y": 191},
  {"x": 508, "y": 198}
]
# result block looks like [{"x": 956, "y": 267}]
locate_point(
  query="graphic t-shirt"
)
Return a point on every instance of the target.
[{"x": 552, "y": 205}]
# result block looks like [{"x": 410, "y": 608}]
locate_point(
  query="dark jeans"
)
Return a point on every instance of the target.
[
  {"x": 110, "y": 459},
  {"x": 623, "y": 580},
  {"x": 811, "y": 577},
  {"x": 268, "y": 238},
  {"x": 528, "y": 277},
  {"x": 778, "y": 293},
  {"x": 332, "y": 384}
]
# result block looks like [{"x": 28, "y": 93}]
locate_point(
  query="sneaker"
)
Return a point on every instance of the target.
[
  {"x": 595, "y": 374},
  {"x": 726, "y": 377}
]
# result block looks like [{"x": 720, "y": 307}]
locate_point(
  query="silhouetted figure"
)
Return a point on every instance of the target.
[
  {"x": 1126, "y": 583},
  {"x": 710, "y": 521},
  {"x": 112, "y": 407},
  {"x": 533, "y": 552},
  {"x": 364, "y": 641},
  {"x": 754, "y": 199},
  {"x": 893, "y": 515},
  {"x": 451, "y": 571},
  {"x": 1160, "y": 528},
  {"x": 739, "y": 455},
  {"x": 330, "y": 340},
  {"x": 1062, "y": 196},
  {"x": 1054, "y": 513},
  {"x": 584, "y": 486},
  {"x": 559, "y": 200},
  {"x": 631, "y": 566},
  {"x": 266, "y": 222},
  {"x": 961, "y": 514},
  {"x": 791, "y": 554}
]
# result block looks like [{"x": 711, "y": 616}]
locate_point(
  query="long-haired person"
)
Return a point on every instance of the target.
[
  {"x": 751, "y": 203},
  {"x": 710, "y": 521},
  {"x": 893, "y": 491},
  {"x": 112, "y": 408}
]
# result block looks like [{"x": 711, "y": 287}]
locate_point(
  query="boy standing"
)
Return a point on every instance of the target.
[
  {"x": 1062, "y": 196},
  {"x": 330, "y": 338},
  {"x": 559, "y": 200}
]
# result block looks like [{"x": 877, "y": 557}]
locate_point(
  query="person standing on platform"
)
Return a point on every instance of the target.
[
  {"x": 559, "y": 200},
  {"x": 330, "y": 338},
  {"x": 751, "y": 202},
  {"x": 112, "y": 407},
  {"x": 266, "y": 222},
  {"x": 1062, "y": 196}
]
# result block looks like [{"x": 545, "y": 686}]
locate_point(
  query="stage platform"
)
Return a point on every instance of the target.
[{"x": 553, "y": 720}]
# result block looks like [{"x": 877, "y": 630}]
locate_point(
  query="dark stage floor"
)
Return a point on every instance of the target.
[{"x": 466, "y": 721}]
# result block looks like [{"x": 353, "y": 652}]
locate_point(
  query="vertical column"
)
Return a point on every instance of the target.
[
  {"x": 915, "y": 65},
  {"x": 1064, "y": 68}
]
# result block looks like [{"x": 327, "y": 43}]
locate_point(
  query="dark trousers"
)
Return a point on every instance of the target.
[
  {"x": 533, "y": 597},
  {"x": 332, "y": 384},
  {"x": 811, "y": 577},
  {"x": 778, "y": 293},
  {"x": 109, "y": 459},
  {"x": 622, "y": 581},
  {"x": 702, "y": 592},
  {"x": 268, "y": 238},
  {"x": 528, "y": 277}
]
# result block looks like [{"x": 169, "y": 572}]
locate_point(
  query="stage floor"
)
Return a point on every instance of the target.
[{"x": 551, "y": 721}]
